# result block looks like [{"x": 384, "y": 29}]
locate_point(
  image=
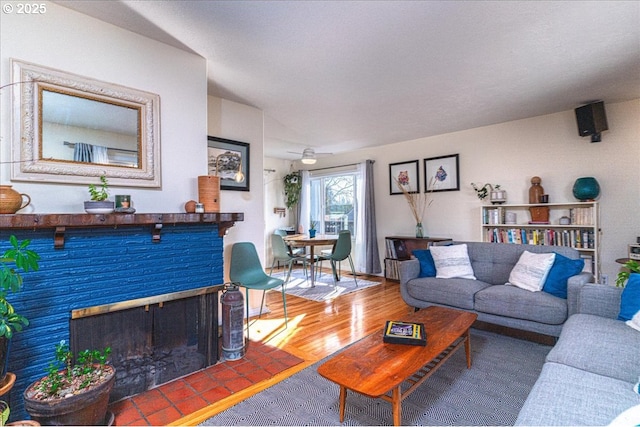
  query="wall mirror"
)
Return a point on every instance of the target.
[{"x": 72, "y": 129}]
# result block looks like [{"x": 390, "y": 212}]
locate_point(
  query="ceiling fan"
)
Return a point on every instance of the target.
[{"x": 309, "y": 155}]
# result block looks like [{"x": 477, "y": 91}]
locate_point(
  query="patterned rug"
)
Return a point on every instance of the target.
[
  {"x": 490, "y": 393},
  {"x": 325, "y": 288}
]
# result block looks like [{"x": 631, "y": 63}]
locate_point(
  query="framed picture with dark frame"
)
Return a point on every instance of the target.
[
  {"x": 407, "y": 174},
  {"x": 228, "y": 157},
  {"x": 442, "y": 173}
]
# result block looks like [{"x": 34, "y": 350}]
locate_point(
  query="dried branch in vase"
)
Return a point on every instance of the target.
[{"x": 418, "y": 202}]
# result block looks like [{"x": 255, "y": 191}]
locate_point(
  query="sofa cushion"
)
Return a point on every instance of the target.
[
  {"x": 452, "y": 261},
  {"x": 562, "y": 269},
  {"x": 531, "y": 270},
  {"x": 427, "y": 266},
  {"x": 628, "y": 418},
  {"x": 599, "y": 345},
  {"x": 452, "y": 292},
  {"x": 510, "y": 301},
  {"x": 566, "y": 396},
  {"x": 634, "y": 322},
  {"x": 493, "y": 262},
  {"x": 630, "y": 298}
]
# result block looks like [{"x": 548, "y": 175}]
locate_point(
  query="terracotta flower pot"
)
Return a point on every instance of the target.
[{"x": 86, "y": 408}]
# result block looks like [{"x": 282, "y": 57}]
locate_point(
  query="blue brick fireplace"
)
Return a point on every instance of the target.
[{"x": 102, "y": 265}]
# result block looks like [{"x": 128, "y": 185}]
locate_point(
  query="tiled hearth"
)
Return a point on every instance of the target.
[{"x": 179, "y": 398}]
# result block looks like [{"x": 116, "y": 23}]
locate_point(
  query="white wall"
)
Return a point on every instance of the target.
[
  {"x": 230, "y": 120},
  {"x": 510, "y": 154},
  {"x": 72, "y": 42},
  {"x": 274, "y": 173}
]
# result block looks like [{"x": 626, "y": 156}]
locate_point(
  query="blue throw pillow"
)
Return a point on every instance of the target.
[
  {"x": 427, "y": 266},
  {"x": 562, "y": 269},
  {"x": 630, "y": 298}
]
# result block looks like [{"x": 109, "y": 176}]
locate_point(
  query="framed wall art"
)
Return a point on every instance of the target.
[
  {"x": 407, "y": 174},
  {"x": 230, "y": 160},
  {"x": 442, "y": 173}
]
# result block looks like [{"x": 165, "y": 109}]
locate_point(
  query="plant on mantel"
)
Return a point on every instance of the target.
[{"x": 99, "y": 195}]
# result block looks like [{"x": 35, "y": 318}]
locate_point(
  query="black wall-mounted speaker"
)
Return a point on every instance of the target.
[{"x": 591, "y": 120}]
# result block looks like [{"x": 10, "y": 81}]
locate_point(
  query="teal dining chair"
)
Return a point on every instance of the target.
[
  {"x": 340, "y": 251},
  {"x": 282, "y": 253},
  {"x": 246, "y": 270},
  {"x": 293, "y": 250}
]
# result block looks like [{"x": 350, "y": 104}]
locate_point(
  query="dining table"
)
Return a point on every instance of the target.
[{"x": 312, "y": 242}]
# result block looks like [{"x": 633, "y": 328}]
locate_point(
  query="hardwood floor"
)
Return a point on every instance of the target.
[
  {"x": 316, "y": 330},
  {"x": 319, "y": 329}
]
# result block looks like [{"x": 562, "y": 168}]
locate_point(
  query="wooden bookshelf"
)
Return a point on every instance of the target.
[{"x": 581, "y": 233}]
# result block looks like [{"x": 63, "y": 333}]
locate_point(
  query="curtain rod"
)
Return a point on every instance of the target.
[
  {"x": 73, "y": 144},
  {"x": 339, "y": 166}
]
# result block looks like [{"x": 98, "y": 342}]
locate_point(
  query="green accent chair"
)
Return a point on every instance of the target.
[{"x": 246, "y": 270}]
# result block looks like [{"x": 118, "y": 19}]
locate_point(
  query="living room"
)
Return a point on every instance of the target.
[{"x": 508, "y": 153}]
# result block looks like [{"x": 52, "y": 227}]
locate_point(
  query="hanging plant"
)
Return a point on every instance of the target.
[{"x": 292, "y": 188}]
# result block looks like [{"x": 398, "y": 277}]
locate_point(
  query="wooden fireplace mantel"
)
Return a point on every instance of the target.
[{"x": 60, "y": 222}]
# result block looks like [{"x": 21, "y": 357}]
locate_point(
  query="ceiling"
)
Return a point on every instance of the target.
[{"x": 342, "y": 75}]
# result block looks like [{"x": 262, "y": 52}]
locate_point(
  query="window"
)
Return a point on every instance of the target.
[{"x": 333, "y": 202}]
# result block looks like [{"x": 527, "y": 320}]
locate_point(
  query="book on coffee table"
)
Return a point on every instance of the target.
[{"x": 404, "y": 333}]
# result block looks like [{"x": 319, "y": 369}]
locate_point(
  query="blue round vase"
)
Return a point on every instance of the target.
[{"x": 586, "y": 188}]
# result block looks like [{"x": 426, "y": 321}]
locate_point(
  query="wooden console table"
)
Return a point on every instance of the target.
[
  {"x": 410, "y": 244},
  {"x": 60, "y": 222}
]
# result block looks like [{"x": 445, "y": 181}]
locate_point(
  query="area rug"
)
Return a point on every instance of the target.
[
  {"x": 492, "y": 392},
  {"x": 325, "y": 288}
]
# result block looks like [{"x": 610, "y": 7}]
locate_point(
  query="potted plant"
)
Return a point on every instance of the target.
[
  {"x": 495, "y": 193},
  {"x": 99, "y": 203},
  {"x": 14, "y": 261},
  {"x": 312, "y": 228},
  {"x": 72, "y": 393},
  {"x": 292, "y": 190},
  {"x": 632, "y": 267}
]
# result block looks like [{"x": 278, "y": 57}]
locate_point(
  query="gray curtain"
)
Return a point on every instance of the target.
[
  {"x": 372, "y": 257},
  {"x": 83, "y": 152}
]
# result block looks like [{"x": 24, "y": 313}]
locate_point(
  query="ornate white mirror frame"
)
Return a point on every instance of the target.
[{"x": 136, "y": 164}]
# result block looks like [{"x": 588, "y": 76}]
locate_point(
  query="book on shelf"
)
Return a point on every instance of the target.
[
  {"x": 391, "y": 250},
  {"x": 581, "y": 216},
  {"x": 410, "y": 333},
  {"x": 577, "y": 238},
  {"x": 391, "y": 269}
]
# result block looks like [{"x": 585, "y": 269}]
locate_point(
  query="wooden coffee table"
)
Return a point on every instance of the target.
[{"x": 377, "y": 369}]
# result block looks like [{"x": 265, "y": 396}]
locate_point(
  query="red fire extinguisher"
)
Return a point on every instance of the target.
[{"x": 232, "y": 322}]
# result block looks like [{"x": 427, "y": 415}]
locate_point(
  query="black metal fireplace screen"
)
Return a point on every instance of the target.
[{"x": 153, "y": 340}]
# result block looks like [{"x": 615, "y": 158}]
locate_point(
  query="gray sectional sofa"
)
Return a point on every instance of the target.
[
  {"x": 488, "y": 296},
  {"x": 589, "y": 375}
]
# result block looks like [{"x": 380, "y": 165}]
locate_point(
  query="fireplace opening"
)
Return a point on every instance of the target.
[{"x": 153, "y": 340}]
